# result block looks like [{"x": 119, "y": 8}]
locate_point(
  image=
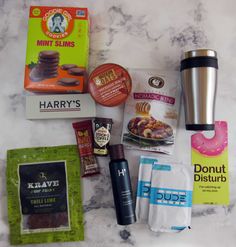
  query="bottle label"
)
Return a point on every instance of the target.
[{"x": 102, "y": 136}]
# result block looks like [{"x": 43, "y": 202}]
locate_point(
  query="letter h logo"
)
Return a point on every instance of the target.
[{"x": 122, "y": 172}]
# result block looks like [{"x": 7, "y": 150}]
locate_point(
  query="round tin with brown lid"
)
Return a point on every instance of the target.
[
  {"x": 102, "y": 135},
  {"x": 110, "y": 84}
]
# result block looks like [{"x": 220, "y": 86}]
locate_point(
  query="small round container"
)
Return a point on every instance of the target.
[{"x": 110, "y": 84}]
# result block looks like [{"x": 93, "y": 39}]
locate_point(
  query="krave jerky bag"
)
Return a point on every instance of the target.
[{"x": 44, "y": 198}]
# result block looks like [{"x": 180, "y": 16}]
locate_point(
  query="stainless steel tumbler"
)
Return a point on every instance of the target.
[{"x": 199, "y": 83}]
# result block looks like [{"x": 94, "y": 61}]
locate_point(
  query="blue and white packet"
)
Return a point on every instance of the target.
[
  {"x": 170, "y": 197},
  {"x": 143, "y": 188}
]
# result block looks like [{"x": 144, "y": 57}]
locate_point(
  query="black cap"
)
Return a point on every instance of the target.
[
  {"x": 103, "y": 120},
  {"x": 116, "y": 152}
]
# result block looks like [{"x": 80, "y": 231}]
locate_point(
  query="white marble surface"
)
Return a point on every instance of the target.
[{"x": 137, "y": 34}]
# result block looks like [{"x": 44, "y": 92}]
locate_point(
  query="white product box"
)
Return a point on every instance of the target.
[{"x": 60, "y": 106}]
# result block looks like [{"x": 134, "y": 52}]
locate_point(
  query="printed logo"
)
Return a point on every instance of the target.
[
  {"x": 42, "y": 182},
  {"x": 59, "y": 106},
  {"x": 105, "y": 77},
  {"x": 84, "y": 139},
  {"x": 155, "y": 96},
  {"x": 156, "y": 82},
  {"x": 83, "y": 133},
  {"x": 102, "y": 136},
  {"x": 171, "y": 197},
  {"x": 42, "y": 176},
  {"x": 45, "y": 184},
  {"x": 144, "y": 188},
  {"x": 36, "y": 12},
  {"x": 57, "y": 23},
  {"x": 121, "y": 172},
  {"x": 80, "y": 13}
]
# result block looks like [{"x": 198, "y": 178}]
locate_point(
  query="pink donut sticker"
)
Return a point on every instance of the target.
[{"x": 215, "y": 145}]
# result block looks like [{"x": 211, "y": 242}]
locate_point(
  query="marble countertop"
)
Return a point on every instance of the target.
[{"x": 135, "y": 34}]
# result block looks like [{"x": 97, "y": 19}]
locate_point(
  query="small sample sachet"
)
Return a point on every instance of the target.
[
  {"x": 143, "y": 188},
  {"x": 170, "y": 197}
]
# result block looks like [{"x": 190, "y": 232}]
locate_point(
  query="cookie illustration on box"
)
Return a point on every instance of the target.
[
  {"x": 47, "y": 66},
  {"x": 49, "y": 61},
  {"x": 36, "y": 74},
  {"x": 68, "y": 66},
  {"x": 76, "y": 71},
  {"x": 68, "y": 82}
]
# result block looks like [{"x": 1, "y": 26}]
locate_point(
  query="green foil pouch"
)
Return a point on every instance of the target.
[{"x": 44, "y": 198}]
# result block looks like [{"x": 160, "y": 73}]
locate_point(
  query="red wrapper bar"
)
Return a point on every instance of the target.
[{"x": 84, "y": 137}]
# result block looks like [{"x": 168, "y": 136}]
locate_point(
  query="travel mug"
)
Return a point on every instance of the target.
[{"x": 199, "y": 83}]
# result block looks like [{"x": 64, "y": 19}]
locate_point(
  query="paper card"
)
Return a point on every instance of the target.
[{"x": 210, "y": 161}]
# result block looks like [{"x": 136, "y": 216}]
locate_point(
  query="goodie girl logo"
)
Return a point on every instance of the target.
[{"x": 57, "y": 23}]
